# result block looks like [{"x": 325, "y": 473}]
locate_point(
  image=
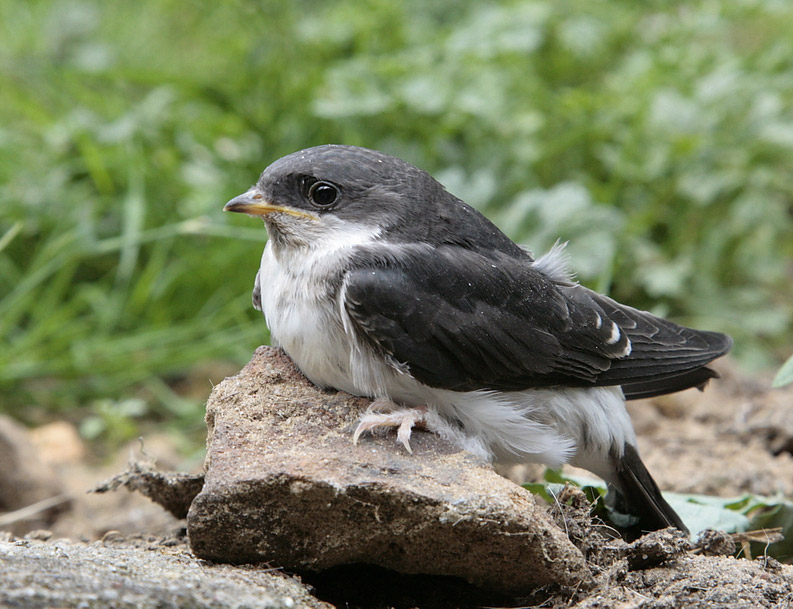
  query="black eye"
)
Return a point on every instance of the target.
[{"x": 323, "y": 194}]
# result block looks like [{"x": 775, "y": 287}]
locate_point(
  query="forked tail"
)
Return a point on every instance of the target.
[{"x": 635, "y": 494}]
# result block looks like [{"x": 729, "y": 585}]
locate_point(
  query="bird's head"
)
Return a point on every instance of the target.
[{"x": 332, "y": 191}]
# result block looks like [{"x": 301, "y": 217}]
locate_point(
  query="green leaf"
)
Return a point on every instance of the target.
[
  {"x": 774, "y": 515},
  {"x": 785, "y": 374},
  {"x": 700, "y": 512}
]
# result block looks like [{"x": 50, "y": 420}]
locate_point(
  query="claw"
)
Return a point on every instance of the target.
[
  {"x": 403, "y": 433},
  {"x": 404, "y": 419},
  {"x": 358, "y": 431}
]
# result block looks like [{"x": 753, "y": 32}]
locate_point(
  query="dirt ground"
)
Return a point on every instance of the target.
[{"x": 734, "y": 438}]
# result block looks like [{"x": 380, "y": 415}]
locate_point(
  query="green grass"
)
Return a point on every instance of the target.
[{"x": 657, "y": 137}]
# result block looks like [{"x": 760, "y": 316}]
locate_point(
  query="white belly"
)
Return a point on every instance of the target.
[{"x": 297, "y": 303}]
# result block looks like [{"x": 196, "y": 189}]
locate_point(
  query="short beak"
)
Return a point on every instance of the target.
[{"x": 253, "y": 204}]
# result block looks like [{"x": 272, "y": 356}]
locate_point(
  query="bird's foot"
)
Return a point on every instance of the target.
[{"x": 383, "y": 413}]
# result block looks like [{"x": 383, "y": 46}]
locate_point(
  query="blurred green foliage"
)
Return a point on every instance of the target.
[{"x": 656, "y": 136}]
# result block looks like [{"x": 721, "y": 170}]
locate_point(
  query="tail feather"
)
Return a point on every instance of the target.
[
  {"x": 635, "y": 493},
  {"x": 698, "y": 378}
]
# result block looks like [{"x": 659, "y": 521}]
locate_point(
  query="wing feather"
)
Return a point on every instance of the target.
[{"x": 464, "y": 320}]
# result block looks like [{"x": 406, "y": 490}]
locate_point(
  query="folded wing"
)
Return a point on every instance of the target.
[{"x": 464, "y": 320}]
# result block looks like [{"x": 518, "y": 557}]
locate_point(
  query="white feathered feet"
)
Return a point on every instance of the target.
[{"x": 384, "y": 414}]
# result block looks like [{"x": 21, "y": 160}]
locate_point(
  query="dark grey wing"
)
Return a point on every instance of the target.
[
  {"x": 464, "y": 320},
  {"x": 665, "y": 357}
]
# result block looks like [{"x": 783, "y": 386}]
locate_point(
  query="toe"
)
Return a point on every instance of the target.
[{"x": 403, "y": 434}]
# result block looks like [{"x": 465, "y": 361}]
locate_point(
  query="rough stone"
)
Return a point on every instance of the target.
[
  {"x": 136, "y": 575},
  {"x": 656, "y": 548},
  {"x": 711, "y": 542},
  {"x": 174, "y": 491},
  {"x": 284, "y": 484}
]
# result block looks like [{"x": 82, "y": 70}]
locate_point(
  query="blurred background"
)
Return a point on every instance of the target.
[{"x": 657, "y": 137}]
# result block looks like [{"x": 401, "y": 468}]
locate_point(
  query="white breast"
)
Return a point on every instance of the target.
[{"x": 299, "y": 289}]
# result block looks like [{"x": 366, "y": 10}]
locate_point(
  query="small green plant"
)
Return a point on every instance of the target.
[
  {"x": 785, "y": 374},
  {"x": 113, "y": 422}
]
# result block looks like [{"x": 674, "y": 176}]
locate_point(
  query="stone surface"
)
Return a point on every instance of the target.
[
  {"x": 284, "y": 484},
  {"x": 128, "y": 574},
  {"x": 25, "y": 481},
  {"x": 174, "y": 491}
]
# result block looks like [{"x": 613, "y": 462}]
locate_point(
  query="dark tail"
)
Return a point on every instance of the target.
[{"x": 635, "y": 494}]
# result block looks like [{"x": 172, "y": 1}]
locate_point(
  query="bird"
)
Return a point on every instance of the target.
[{"x": 377, "y": 281}]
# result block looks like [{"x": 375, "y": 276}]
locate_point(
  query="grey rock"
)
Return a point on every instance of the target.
[
  {"x": 174, "y": 491},
  {"x": 284, "y": 484},
  {"x": 656, "y": 548},
  {"x": 138, "y": 575}
]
